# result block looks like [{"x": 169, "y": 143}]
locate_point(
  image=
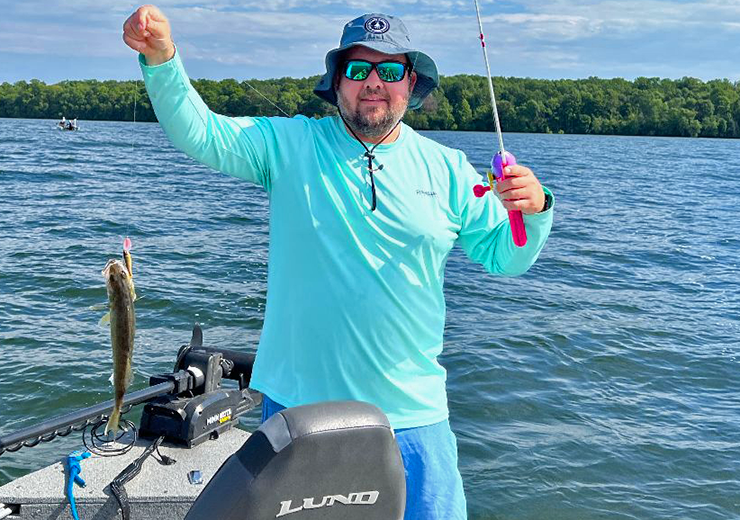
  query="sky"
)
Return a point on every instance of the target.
[{"x": 54, "y": 40}]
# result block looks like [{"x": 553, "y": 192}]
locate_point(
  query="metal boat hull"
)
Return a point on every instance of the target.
[{"x": 159, "y": 492}]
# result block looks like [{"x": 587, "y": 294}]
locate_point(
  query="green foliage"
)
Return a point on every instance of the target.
[{"x": 645, "y": 106}]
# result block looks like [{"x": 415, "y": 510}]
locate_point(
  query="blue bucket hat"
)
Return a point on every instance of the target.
[{"x": 386, "y": 34}]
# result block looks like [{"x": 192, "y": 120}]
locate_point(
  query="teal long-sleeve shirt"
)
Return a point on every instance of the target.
[{"x": 355, "y": 302}]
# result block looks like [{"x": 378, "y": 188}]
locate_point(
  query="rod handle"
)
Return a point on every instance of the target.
[{"x": 516, "y": 221}]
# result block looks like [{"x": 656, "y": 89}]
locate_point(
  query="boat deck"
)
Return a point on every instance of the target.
[{"x": 158, "y": 492}]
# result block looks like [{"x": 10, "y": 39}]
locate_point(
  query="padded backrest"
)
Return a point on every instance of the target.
[{"x": 330, "y": 461}]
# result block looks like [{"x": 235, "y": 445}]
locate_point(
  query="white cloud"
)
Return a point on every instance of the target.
[
  {"x": 59, "y": 40},
  {"x": 639, "y": 15},
  {"x": 256, "y": 38}
]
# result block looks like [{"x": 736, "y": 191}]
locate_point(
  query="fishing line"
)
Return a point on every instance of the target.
[
  {"x": 136, "y": 96},
  {"x": 133, "y": 142},
  {"x": 266, "y": 99}
]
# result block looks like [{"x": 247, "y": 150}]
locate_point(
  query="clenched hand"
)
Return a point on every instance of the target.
[{"x": 148, "y": 31}]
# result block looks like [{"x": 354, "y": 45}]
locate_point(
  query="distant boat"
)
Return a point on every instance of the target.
[{"x": 70, "y": 124}]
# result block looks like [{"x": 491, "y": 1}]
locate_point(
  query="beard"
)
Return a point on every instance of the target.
[{"x": 375, "y": 121}]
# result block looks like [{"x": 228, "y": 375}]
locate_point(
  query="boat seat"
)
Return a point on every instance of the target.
[{"x": 332, "y": 460}]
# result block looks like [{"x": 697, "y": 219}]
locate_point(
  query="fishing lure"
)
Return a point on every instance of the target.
[
  {"x": 502, "y": 158},
  {"x": 127, "y": 260}
]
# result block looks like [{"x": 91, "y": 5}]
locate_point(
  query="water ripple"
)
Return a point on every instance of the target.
[{"x": 601, "y": 384}]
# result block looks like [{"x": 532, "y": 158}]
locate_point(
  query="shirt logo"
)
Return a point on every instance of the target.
[
  {"x": 377, "y": 25},
  {"x": 426, "y": 193}
]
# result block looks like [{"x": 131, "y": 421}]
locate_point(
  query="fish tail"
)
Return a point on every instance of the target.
[{"x": 112, "y": 424}]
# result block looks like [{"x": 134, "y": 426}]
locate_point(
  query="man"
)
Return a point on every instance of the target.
[{"x": 363, "y": 214}]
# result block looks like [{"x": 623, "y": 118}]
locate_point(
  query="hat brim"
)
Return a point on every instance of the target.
[{"x": 427, "y": 77}]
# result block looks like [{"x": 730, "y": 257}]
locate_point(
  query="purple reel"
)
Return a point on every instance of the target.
[{"x": 498, "y": 165}]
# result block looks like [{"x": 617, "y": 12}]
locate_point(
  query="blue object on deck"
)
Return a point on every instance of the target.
[{"x": 73, "y": 469}]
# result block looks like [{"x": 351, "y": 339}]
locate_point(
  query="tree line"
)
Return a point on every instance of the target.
[{"x": 646, "y": 106}]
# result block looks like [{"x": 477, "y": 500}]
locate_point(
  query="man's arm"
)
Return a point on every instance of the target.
[
  {"x": 485, "y": 233},
  {"x": 236, "y": 146}
]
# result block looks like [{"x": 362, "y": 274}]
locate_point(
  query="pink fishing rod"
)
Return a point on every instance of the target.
[{"x": 503, "y": 158}]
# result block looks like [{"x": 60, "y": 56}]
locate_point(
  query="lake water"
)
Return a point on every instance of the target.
[{"x": 602, "y": 384}]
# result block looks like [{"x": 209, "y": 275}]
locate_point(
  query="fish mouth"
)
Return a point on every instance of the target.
[{"x": 113, "y": 267}]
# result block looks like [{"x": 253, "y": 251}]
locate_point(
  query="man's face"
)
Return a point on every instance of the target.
[{"x": 372, "y": 107}]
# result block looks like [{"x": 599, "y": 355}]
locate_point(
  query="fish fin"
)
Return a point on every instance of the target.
[
  {"x": 99, "y": 306},
  {"x": 112, "y": 424},
  {"x": 105, "y": 320}
]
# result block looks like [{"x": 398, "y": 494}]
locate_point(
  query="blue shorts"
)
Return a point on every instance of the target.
[{"x": 434, "y": 488}]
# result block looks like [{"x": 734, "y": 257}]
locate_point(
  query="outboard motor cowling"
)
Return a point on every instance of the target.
[{"x": 330, "y": 461}]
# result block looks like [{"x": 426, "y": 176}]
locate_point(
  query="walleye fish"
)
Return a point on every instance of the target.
[{"x": 119, "y": 281}]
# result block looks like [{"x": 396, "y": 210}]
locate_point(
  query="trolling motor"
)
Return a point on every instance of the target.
[
  {"x": 187, "y": 406},
  {"x": 302, "y": 458},
  {"x": 201, "y": 410}
]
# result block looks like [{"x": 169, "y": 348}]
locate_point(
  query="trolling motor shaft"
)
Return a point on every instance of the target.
[
  {"x": 188, "y": 406},
  {"x": 77, "y": 420}
]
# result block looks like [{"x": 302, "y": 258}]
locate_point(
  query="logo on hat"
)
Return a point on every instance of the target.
[{"x": 377, "y": 25}]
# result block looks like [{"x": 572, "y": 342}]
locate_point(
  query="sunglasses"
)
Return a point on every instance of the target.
[{"x": 388, "y": 71}]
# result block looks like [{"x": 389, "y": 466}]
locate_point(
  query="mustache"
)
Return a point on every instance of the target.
[{"x": 374, "y": 93}]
